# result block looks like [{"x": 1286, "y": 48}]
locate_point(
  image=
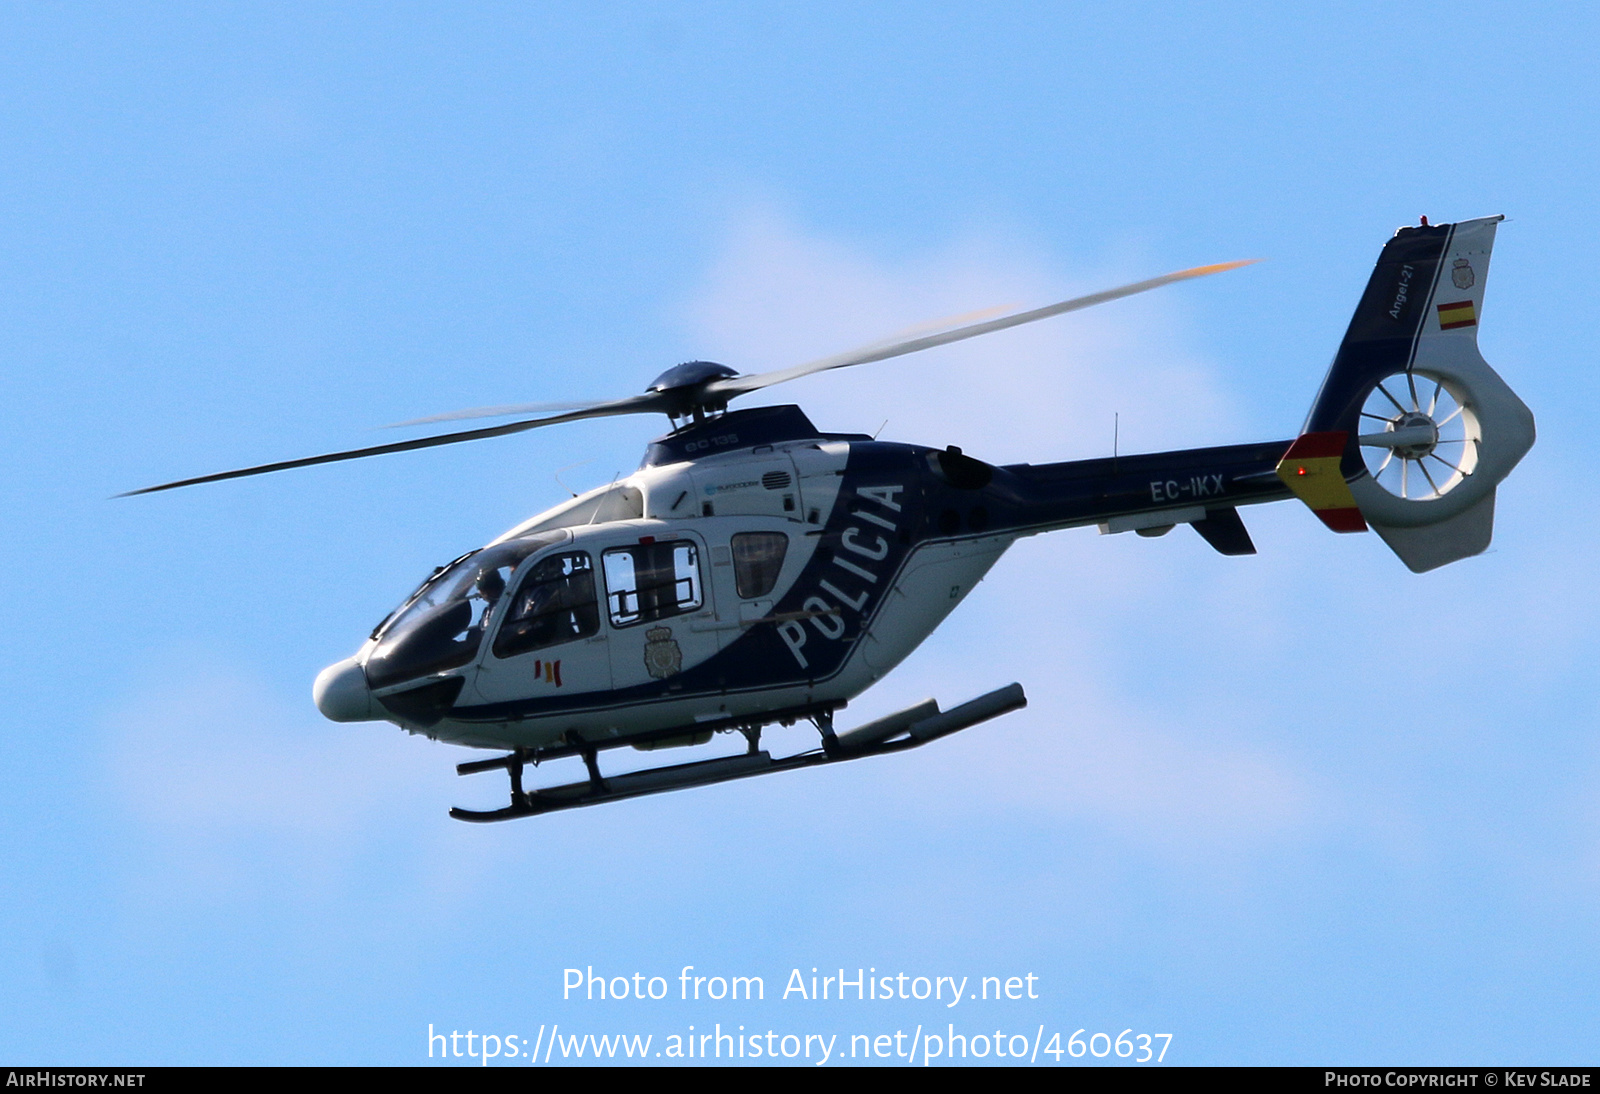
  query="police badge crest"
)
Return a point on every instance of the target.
[
  {"x": 662, "y": 657},
  {"x": 1461, "y": 274}
]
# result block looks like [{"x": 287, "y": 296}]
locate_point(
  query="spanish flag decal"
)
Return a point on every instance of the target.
[
  {"x": 1311, "y": 469},
  {"x": 1459, "y": 314}
]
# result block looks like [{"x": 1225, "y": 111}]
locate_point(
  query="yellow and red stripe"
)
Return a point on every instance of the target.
[
  {"x": 1311, "y": 469},
  {"x": 1459, "y": 314}
]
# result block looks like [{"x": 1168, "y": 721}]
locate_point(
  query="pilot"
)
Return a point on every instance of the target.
[{"x": 490, "y": 588}]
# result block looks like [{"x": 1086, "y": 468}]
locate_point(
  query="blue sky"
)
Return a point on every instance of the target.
[{"x": 1300, "y": 808}]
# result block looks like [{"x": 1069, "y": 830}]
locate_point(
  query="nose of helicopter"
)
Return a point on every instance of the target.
[{"x": 341, "y": 693}]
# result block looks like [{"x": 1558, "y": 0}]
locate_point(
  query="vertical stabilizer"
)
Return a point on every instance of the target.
[{"x": 1422, "y": 427}]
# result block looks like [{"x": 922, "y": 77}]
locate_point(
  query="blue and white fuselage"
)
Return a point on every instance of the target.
[{"x": 753, "y": 565}]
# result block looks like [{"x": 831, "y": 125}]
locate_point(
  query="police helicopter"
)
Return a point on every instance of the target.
[{"x": 757, "y": 570}]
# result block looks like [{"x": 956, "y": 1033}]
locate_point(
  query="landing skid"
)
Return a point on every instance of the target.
[{"x": 896, "y": 732}]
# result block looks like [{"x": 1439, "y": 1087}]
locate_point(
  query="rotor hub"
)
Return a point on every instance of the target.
[
  {"x": 1418, "y": 425},
  {"x": 683, "y": 389}
]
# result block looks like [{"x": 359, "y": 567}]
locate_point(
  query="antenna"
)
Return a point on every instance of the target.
[
  {"x": 569, "y": 467},
  {"x": 603, "y": 498},
  {"x": 1116, "y": 430}
]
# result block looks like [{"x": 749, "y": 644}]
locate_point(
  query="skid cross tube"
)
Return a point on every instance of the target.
[
  {"x": 927, "y": 726},
  {"x": 537, "y": 756}
]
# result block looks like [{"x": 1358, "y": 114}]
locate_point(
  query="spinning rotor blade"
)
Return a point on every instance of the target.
[
  {"x": 499, "y": 412},
  {"x": 649, "y": 402},
  {"x": 549, "y": 408},
  {"x": 678, "y": 397},
  {"x": 739, "y": 385}
]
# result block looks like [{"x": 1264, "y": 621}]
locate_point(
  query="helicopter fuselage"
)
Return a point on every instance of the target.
[{"x": 752, "y": 567}]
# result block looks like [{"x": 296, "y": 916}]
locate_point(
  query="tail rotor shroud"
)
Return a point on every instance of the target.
[
  {"x": 1425, "y": 428},
  {"x": 1425, "y": 443}
]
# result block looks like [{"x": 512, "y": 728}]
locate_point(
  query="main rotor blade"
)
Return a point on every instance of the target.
[
  {"x": 499, "y": 412},
  {"x": 649, "y": 402},
  {"x": 739, "y": 385},
  {"x": 931, "y": 326},
  {"x": 547, "y": 408}
]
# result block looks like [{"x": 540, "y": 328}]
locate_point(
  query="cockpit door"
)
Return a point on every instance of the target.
[{"x": 548, "y": 635}]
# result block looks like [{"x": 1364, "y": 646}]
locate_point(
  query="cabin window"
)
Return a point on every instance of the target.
[
  {"x": 555, "y": 603},
  {"x": 649, "y": 581},
  {"x": 757, "y": 558},
  {"x": 442, "y": 625}
]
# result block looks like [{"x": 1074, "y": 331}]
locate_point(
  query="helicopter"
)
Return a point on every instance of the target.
[{"x": 756, "y": 570}]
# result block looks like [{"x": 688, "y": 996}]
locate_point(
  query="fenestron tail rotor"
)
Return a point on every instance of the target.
[
  {"x": 701, "y": 387},
  {"x": 1419, "y": 440},
  {"x": 1435, "y": 427}
]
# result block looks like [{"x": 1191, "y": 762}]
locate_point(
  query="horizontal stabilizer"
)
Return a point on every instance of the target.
[
  {"x": 1311, "y": 469},
  {"x": 1225, "y": 531}
]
